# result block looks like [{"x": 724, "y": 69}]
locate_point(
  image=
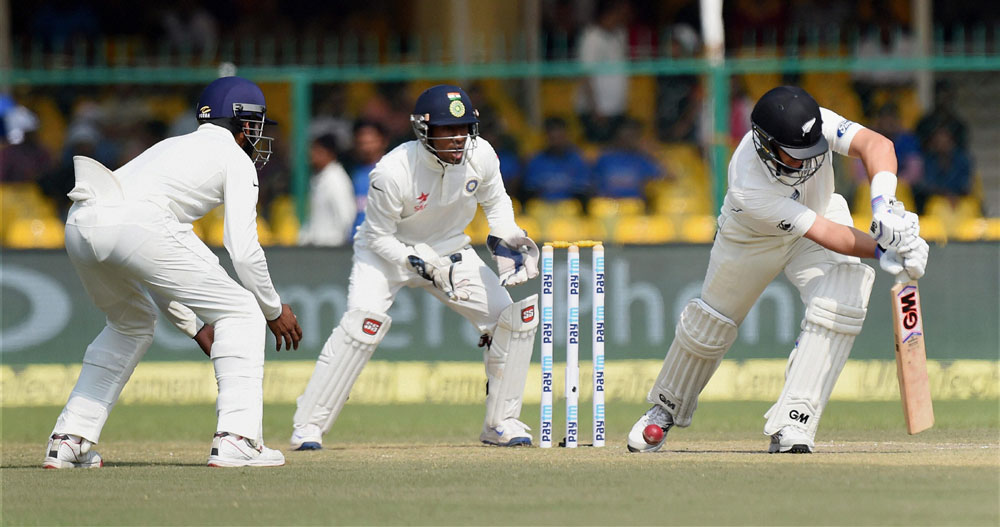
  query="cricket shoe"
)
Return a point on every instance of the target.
[
  {"x": 791, "y": 440},
  {"x": 231, "y": 450},
  {"x": 70, "y": 451},
  {"x": 657, "y": 415},
  {"x": 308, "y": 437},
  {"x": 510, "y": 432}
]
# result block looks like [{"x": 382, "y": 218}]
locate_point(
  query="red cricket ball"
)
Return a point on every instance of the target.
[{"x": 653, "y": 434}]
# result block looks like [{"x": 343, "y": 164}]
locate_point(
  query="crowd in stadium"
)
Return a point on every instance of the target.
[{"x": 595, "y": 145}]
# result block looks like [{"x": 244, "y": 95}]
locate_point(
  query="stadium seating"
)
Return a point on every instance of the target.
[
  {"x": 579, "y": 228},
  {"x": 602, "y": 208},
  {"x": 644, "y": 230},
  {"x": 543, "y": 210},
  {"x": 284, "y": 222},
  {"x": 698, "y": 228},
  {"x": 46, "y": 232}
]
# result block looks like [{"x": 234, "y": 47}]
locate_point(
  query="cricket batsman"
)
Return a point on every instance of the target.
[
  {"x": 129, "y": 236},
  {"x": 781, "y": 214},
  {"x": 423, "y": 195}
]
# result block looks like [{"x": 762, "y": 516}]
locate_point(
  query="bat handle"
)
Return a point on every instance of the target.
[{"x": 902, "y": 278}]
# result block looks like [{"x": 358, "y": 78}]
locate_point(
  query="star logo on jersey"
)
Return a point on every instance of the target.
[{"x": 421, "y": 202}]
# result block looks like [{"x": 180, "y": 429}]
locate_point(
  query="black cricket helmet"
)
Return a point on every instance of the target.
[
  {"x": 238, "y": 104},
  {"x": 787, "y": 117},
  {"x": 445, "y": 105}
]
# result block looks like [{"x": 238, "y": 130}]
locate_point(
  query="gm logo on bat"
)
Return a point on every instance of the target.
[{"x": 908, "y": 309}]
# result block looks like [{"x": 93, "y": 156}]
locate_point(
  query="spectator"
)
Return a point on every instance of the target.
[
  {"x": 558, "y": 172},
  {"x": 601, "y": 100},
  {"x": 740, "y": 108},
  {"x": 390, "y": 107},
  {"x": 560, "y": 23},
  {"x": 882, "y": 42},
  {"x": 331, "y": 116},
  {"x": 943, "y": 114},
  {"x": 370, "y": 144},
  {"x": 679, "y": 96},
  {"x": 189, "y": 26},
  {"x": 909, "y": 159},
  {"x": 624, "y": 171},
  {"x": 491, "y": 128},
  {"x": 947, "y": 169},
  {"x": 22, "y": 157},
  {"x": 889, "y": 124},
  {"x": 84, "y": 138},
  {"x": 331, "y": 198}
]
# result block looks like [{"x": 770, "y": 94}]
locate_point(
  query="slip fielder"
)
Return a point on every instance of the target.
[{"x": 129, "y": 237}]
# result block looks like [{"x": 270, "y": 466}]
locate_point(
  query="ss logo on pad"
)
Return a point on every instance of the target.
[{"x": 371, "y": 326}]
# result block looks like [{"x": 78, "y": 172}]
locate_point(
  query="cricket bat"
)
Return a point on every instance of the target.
[{"x": 911, "y": 356}]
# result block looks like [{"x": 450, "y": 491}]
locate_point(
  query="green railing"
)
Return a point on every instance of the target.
[{"x": 371, "y": 60}]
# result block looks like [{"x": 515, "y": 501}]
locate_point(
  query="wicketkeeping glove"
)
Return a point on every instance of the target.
[
  {"x": 440, "y": 271},
  {"x": 516, "y": 258}
]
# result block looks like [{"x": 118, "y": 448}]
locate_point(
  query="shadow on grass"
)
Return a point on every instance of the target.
[{"x": 107, "y": 464}]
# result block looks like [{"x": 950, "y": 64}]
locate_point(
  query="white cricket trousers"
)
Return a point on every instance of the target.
[
  {"x": 743, "y": 263},
  {"x": 122, "y": 250},
  {"x": 374, "y": 283}
]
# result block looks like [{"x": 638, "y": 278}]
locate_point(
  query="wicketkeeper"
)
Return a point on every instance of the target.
[
  {"x": 422, "y": 197},
  {"x": 781, "y": 214}
]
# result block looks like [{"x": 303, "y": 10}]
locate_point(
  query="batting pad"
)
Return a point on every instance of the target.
[
  {"x": 507, "y": 359},
  {"x": 344, "y": 355},
  {"x": 834, "y": 317},
  {"x": 702, "y": 338}
]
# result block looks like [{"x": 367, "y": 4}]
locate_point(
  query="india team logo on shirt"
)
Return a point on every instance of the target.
[{"x": 471, "y": 185}]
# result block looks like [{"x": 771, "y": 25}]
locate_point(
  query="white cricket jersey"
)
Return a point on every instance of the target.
[
  {"x": 414, "y": 198},
  {"x": 759, "y": 202},
  {"x": 190, "y": 175},
  {"x": 332, "y": 208}
]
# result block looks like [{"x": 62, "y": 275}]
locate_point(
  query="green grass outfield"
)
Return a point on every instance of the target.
[{"x": 418, "y": 464}]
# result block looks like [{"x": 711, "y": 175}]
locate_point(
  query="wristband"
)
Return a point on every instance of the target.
[{"x": 883, "y": 190}]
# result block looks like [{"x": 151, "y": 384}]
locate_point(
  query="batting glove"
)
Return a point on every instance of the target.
[
  {"x": 890, "y": 261},
  {"x": 914, "y": 255}
]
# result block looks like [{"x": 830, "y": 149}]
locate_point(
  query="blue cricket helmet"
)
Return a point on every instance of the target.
[
  {"x": 241, "y": 103},
  {"x": 445, "y": 105}
]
